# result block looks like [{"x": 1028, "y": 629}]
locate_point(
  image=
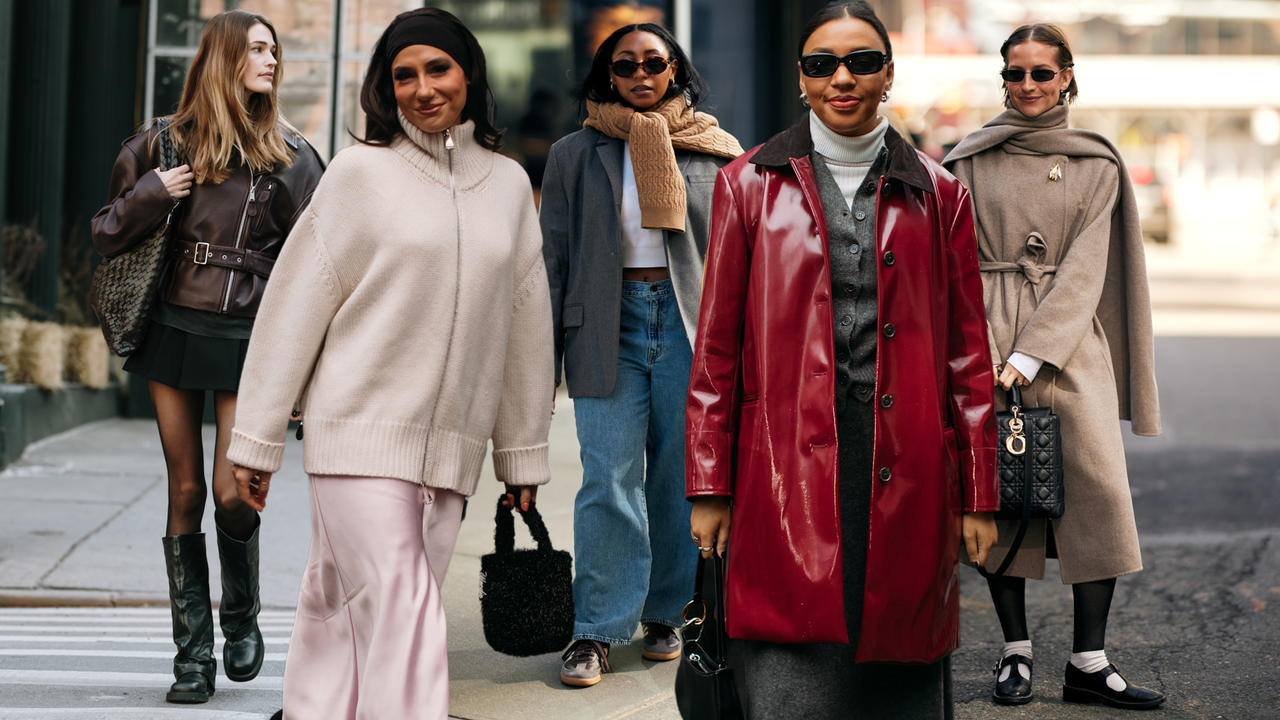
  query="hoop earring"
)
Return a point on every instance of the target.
[
  {"x": 804, "y": 100},
  {"x": 884, "y": 97}
]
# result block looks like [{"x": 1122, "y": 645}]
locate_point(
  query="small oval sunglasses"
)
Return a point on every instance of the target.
[
  {"x": 862, "y": 62},
  {"x": 651, "y": 65},
  {"x": 1040, "y": 75}
]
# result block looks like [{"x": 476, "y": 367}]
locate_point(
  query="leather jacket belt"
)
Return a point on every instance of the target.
[{"x": 203, "y": 253}]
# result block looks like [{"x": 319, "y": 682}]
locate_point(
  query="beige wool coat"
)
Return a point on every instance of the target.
[{"x": 1064, "y": 281}]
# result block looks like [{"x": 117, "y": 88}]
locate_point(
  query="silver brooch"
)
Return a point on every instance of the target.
[{"x": 1056, "y": 173}]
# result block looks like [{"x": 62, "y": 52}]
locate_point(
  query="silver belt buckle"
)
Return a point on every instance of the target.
[{"x": 201, "y": 247}]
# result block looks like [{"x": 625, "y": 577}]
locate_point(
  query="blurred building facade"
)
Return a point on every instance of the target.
[{"x": 1187, "y": 88}]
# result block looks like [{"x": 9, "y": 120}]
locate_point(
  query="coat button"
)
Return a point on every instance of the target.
[
  {"x": 846, "y": 320},
  {"x": 885, "y": 474},
  {"x": 849, "y": 288},
  {"x": 842, "y": 357},
  {"x": 886, "y": 401},
  {"x": 890, "y": 330},
  {"x": 871, "y": 187},
  {"x": 860, "y": 215},
  {"x": 854, "y": 248},
  {"x": 889, "y": 258},
  {"x": 884, "y": 189},
  {"x": 843, "y": 378}
]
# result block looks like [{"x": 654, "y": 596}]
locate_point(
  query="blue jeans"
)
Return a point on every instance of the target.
[{"x": 634, "y": 556}]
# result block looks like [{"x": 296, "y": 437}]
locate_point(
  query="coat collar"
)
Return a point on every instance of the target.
[{"x": 796, "y": 142}]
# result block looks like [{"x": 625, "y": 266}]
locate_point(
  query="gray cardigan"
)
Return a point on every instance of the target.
[{"x": 582, "y": 247}]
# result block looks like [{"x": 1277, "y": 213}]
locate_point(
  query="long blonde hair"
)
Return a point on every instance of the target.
[{"x": 220, "y": 122}]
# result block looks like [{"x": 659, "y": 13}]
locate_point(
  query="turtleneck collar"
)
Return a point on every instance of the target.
[
  {"x": 846, "y": 150},
  {"x": 427, "y": 152}
]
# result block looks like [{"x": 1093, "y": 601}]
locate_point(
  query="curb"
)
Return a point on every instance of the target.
[{"x": 78, "y": 598}]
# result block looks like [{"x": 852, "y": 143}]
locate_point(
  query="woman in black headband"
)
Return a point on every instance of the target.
[{"x": 411, "y": 315}]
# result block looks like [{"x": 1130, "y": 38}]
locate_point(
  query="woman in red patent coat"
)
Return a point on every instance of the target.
[{"x": 840, "y": 405}]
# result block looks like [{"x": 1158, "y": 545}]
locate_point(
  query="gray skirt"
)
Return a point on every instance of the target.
[{"x": 821, "y": 681}]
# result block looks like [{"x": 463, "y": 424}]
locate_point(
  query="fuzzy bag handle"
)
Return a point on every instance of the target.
[{"x": 504, "y": 532}]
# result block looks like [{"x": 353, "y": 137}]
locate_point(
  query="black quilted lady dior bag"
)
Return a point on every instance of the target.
[
  {"x": 1029, "y": 457},
  {"x": 526, "y": 596},
  {"x": 704, "y": 680},
  {"x": 124, "y": 287}
]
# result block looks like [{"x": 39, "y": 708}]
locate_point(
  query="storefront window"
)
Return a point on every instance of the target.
[{"x": 310, "y": 46}]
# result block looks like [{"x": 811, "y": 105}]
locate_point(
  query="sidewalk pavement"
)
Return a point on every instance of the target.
[
  {"x": 82, "y": 515},
  {"x": 1201, "y": 292}
]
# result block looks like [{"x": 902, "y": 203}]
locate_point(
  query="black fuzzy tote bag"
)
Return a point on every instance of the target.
[{"x": 526, "y": 596}]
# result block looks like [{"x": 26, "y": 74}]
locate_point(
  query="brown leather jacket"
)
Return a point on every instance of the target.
[{"x": 226, "y": 237}]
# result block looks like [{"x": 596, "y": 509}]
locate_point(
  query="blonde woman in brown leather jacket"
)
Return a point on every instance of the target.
[{"x": 248, "y": 177}]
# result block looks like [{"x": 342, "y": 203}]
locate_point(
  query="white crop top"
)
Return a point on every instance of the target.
[{"x": 641, "y": 247}]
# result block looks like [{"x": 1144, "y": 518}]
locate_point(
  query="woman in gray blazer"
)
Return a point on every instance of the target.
[{"x": 626, "y": 209}]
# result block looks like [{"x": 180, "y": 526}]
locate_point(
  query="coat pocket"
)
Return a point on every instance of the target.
[{"x": 572, "y": 316}]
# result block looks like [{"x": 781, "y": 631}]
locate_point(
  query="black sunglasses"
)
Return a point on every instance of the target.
[
  {"x": 626, "y": 68},
  {"x": 863, "y": 62},
  {"x": 1039, "y": 75}
]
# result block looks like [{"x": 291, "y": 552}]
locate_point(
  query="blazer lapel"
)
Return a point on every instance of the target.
[{"x": 610, "y": 152}]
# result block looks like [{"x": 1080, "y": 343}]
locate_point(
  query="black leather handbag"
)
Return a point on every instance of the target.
[
  {"x": 1029, "y": 458},
  {"x": 704, "y": 680},
  {"x": 526, "y": 596},
  {"x": 123, "y": 289}
]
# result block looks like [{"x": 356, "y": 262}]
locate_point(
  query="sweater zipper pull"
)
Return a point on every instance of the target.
[{"x": 448, "y": 140}]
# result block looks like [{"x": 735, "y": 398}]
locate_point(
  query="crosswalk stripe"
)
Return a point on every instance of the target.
[
  {"x": 113, "y": 639},
  {"x": 121, "y": 679},
  {"x": 159, "y": 655},
  {"x": 158, "y": 620},
  {"x": 133, "y": 713},
  {"x": 124, "y": 613},
  {"x": 61, "y": 629}
]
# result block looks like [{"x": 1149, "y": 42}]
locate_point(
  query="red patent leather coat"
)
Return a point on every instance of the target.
[{"x": 761, "y": 421}]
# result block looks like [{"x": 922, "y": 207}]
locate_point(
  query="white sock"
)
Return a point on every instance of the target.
[
  {"x": 1017, "y": 647},
  {"x": 1094, "y": 660}
]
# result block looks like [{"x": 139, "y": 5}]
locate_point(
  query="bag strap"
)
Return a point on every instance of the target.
[
  {"x": 1015, "y": 401},
  {"x": 168, "y": 151},
  {"x": 504, "y": 533},
  {"x": 722, "y": 637},
  {"x": 708, "y": 616}
]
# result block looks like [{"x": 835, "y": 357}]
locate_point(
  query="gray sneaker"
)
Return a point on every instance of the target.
[
  {"x": 660, "y": 642},
  {"x": 584, "y": 662}
]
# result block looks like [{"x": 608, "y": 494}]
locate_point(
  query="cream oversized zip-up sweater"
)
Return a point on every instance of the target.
[{"x": 409, "y": 310}]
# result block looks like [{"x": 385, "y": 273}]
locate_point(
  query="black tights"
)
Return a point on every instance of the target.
[
  {"x": 178, "y": 414},
  {"x": 1092, "y": 606}
]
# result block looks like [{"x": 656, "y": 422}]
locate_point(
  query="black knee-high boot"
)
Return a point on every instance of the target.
[
  {"x": 243, "y": 649},
  {"x": 193, "y": 667}
]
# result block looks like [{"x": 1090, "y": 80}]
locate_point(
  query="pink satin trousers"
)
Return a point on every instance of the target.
[{"x": 369, "y": 638}]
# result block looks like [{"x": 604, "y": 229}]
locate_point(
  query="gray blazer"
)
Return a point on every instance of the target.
[{"x": 582, "y": 247}]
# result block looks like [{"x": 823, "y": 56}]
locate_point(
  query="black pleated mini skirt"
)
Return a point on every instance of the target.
[{"x": 187, "y": 361}]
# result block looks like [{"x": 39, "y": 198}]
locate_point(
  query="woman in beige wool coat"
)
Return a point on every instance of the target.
[{"x": 1066, "y": 294}]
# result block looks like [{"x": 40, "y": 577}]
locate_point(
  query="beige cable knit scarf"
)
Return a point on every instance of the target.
[{"x": 654, "y": 136}]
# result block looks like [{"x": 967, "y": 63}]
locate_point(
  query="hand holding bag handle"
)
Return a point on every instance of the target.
[
  {"x": 526, "y": 595},
  {"x": 705, "y": 687},
  {"x": 1024, "y": 442}
]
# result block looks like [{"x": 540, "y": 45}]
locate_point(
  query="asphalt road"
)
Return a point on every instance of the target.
[{"x": 1199, "y": 623}]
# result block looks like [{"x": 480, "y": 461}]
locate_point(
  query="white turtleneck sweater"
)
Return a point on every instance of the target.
[
  {"x": 410, "y": 312},
  {"x": 848, "y": 158}
]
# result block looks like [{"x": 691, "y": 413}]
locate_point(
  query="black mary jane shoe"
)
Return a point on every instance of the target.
[
  {"x": 1015, "y": 689},
  {"x": 1082, "y": 687}
]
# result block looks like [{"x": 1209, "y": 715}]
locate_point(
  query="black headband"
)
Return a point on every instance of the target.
[{"x": 429, "y": 30}]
